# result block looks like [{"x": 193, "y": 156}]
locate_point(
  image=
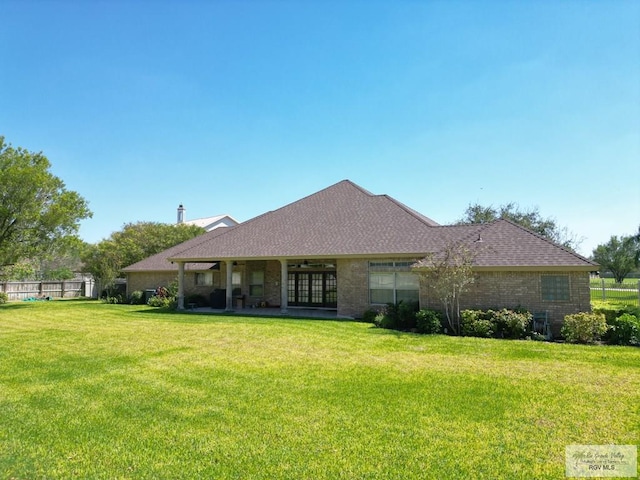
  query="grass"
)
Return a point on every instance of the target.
[
  {"x": 89, "y": 390},
  {"x": 624, "y": 293}
]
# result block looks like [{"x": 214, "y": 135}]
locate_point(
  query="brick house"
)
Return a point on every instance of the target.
[{"x": 346, "y": 249}]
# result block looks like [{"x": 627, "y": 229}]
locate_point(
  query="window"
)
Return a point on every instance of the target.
[
  {"x": 392, "y": 282},
  {"x": 256, "y": 284},
  {"x": 204, "y": 279},
  {"x": 236, "y": 280},
  {"x": 554, "y": 288}
]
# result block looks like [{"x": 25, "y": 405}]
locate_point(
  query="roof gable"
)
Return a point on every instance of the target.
[{"x": 343, "y": 219}]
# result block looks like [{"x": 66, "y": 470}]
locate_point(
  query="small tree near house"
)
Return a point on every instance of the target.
[{"x": 448, "y": 274}]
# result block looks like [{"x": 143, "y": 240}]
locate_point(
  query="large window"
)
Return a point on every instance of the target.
[
  {"x": 256, "y": 284},
  {"x": 204, "y": 279},
  {"x": 392, "y": 282},
  {"x": 555, "y": 288}
]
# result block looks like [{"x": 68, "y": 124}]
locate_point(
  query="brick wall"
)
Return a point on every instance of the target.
[
  {"x": 513, "y": 289},
  {"x": 353, "y": 287}
]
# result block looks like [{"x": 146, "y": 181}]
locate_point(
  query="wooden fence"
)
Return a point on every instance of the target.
[{"x": 51, "y": 289}]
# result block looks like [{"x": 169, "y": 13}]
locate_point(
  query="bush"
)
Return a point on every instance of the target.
[
  {"x": 476, "y": 323},
  {"x": 369, "y": 316},
  {"x": 136, "y": 298},
  {"x": 624, "y": 330},
  {"x": 428, "y": 321},
  {"x": 584, "y": 327},
  {"x": 398, "y": 316},
  {"x": 613, "y": 311},
  {"x": 113, "y": 299},
  {"x": 511, "y": 323},
  {"x": 4, "y": 297},
  {"x": 162, "y": 302}
]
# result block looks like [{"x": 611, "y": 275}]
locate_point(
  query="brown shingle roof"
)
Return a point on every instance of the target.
[
  {"x": 346, "y": 220},
  {"x": 160, "y": 261},
  {"x": 341, "y": 220}
]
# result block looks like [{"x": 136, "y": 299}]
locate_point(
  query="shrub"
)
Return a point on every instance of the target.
[
  {"x": 613, "y": 311},
  {"x": 4, "y": 297},
  {"x": 398, "y": 316},
  {"x": 584, "y": 327},
  {"x": 511, "y": 323},
  {"x": 428, "y": 321},
  {"x": 136, "y": 298},
  {"x": 113, "y": 299},
  {"x": 624, "y": 330},
  {"x": 162, "y": 302},
  {"x": 369, "y": 316},
  {"x": 476, "y": 323}
]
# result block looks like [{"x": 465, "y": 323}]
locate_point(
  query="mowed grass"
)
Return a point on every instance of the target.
[
  {"x": 625, "y": 293},
  {"x": 90, "y": 390}
]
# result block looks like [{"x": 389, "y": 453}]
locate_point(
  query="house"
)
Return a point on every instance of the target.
[
  {"x": 207, "y": 223},
  {"x": 346, "y": 249}
]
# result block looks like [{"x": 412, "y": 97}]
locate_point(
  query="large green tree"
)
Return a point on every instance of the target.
[
  {"x": 38, "y": 215},
  {"x": 530, "y": 219},
  {"x": 618, "y": 256},
  {"x": 135, "y": 242}
]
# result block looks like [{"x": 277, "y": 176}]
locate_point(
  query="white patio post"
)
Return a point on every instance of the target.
[
  {"x": 284, "y": 292},
  {"x": 229, "y": 307},
  {"x": 180, "y": 285}
]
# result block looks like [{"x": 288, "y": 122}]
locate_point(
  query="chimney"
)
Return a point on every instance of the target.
[{"x": 181, "y": 210}]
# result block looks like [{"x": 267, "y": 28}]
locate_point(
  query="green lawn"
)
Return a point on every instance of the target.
[
  {"x": 89, "y": 390},
  {"x": 625, "y": 292}
]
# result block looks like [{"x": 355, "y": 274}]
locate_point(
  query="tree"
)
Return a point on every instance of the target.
[
  {"x": 448, "y": 274},
  {"x": 37, "y": 213},
  {"x": 618, "y": 256},
  {"x": 530, "y": 219},
  {"x": 135, "y": 242}
]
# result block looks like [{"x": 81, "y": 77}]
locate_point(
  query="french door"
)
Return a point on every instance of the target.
[{"x": 313, "y": 289}]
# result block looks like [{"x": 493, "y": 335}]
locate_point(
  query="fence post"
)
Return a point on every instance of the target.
[{"x": 604, "y": 291}]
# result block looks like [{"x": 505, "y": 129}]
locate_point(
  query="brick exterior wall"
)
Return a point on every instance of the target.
[
  {"x": 353, "y": 287},
  {"x": 512, "y": 289},
  {"x": 496, "y": 289}
]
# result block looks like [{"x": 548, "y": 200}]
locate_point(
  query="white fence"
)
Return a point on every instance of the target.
[
  {"x": 52, "y": 289},
  {"x": 605, "y": 289}
]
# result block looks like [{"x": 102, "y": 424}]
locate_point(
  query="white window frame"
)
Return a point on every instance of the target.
[{"x": 395, "y": 274}]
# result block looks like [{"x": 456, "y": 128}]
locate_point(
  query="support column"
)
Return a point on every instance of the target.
[
  {"x": 284, "y": 291},
  {"x": 229, "y": 304},
  {"x": 180, "y": 285}
]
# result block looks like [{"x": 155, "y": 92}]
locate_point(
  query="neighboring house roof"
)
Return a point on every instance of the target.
[
  {"x": 344, "y": 220},
  {"x": 211, "y": 223}
]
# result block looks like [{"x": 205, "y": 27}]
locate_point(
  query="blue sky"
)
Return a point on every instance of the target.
[{"x": 241, "y": 107}]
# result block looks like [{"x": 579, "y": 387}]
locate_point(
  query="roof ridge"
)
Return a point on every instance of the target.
[
  {"x": 257, "y": 217},
  {"x": 541, "y": 237},
  {"x": 423, "y": 218}
]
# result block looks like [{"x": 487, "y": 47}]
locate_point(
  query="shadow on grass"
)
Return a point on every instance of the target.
[
  {"x": 200, "y": 316},
  {"x": 14, "y": 305}
]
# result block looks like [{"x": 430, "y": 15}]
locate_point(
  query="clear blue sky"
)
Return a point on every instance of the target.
[{"x": 240, "y": 107}]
